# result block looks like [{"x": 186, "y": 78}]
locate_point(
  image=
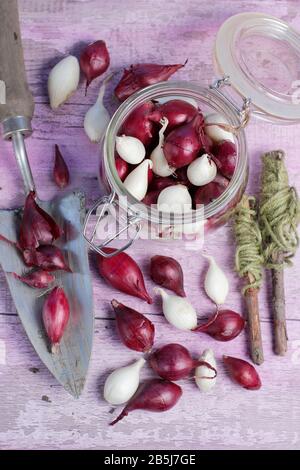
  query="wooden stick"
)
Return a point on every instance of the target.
[
  {"x": 278, "y": 301},
  {"x": 255, "y": 339},
  {"x": 251, "y": 299}
]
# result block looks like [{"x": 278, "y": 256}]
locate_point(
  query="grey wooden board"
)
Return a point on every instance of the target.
[{"x": 70, "y": 364}]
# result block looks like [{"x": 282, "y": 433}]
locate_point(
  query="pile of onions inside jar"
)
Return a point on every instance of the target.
[{"x": 172, "y": 156}]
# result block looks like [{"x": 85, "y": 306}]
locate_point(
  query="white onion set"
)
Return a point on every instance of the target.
[
  {"x": 160, "y": 164},
  {"x": 175, "y": 199},
  {"x": 63, "y": 80},
  {"x": 136, "y": 182},
  {"x": 204, "y": 376},
  {"x": 216, "y": 283},
  {"x": 216, "y": 133},
  {"x": 202, "y": 170},
  {"x": 177, "y": 310},
  {"x": 131, "y": 149},
  {"x": 97, "y": 117},
  {"x": 122, "y": 383}
]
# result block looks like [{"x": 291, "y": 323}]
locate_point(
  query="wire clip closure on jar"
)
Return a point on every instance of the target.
[
  {"x": 132, "y": 220},
  {"x": 244, "y": 112}
]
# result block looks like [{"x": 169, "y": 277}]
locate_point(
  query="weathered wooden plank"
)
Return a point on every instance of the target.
[
  {"x": 229, "y": 417},
  {"x": 194, "y": 266},
  {"x": 35, "y": 412}
]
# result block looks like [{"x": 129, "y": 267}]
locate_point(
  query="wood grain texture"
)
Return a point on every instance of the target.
[
  {"x": 36, "y": 412},
  {"x": 19, "y": 100}
]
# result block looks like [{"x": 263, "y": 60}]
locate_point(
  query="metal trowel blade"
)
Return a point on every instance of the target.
[{"x": 69, "y": 364}]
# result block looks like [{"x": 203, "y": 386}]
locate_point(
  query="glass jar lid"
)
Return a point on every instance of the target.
[{"x": 261, "y": 56}]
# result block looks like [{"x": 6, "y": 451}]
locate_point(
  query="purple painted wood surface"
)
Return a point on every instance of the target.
[{"x": 35, "y": 412}]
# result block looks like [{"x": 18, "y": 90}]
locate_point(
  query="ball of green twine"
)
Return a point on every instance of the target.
[
  {"x": 279, "y": 212},
  {"x": 248, "y": 256}
]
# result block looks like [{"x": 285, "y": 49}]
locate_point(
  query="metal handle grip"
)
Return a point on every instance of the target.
[{"x": 18, "y": 98}]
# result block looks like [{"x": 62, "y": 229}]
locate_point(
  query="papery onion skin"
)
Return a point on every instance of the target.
[
  {"x": 123, "y": 273},
  {"x": 242, "y": 372},
  {"x": 225, "y": 325},
  {"x": 183, "y": 144},
  {"x": 138, "y": 124},
  {"x": 172, "y": 362},
  {"x": 141, "y": 75},
  {"x": 135, "y": 330},
  {"x": 157, "y": 395},
  {"x": 94, "y": 60},
  {"x": 167, "y": 272},
  {"x": 56, "y": 313},
  {"x": 177, "y": 112}
]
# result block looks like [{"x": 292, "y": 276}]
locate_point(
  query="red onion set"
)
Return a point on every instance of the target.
[
  {"x": 242, "y": 373},
  {"x": 174, "y": 362},
  {"x": 141, "y": 75},
  {"x": 177, "y": 112},
  {"x": 61, "y": 173},
  {"x": 94, "y": 61},
  {"x": 135, "y": 330},
  {"x": 56, "y": 313},
  {"x": 39, "y": 279},
  {"x": 123, "y": 273},
  {"x": 185, "y": 142},
  {"x": 167, "y": 272},
  {"x": 157, "y": 395},
  {"x": 225, "y": 325},
  {"x": 38, "y": 231}
]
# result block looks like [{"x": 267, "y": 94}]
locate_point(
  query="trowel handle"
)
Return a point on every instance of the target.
[{"x": 15, "y": 96}]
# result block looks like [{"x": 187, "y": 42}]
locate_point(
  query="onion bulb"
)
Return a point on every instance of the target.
[
  {"x": 216, "y": 283},
  {"x": 131, "y": 149},
  {"x": 216, "y": 133},
  {"x": 63, "y": 80},
  {"x": 175, "y": 199},
  {"x": 160, "y": 165},
  {"x": 136, "y": 182},
  {"x": 177, "y": 310},
  {"x": 202, "y": 170},
  {"x": 205, "y": 377},
  {"x": 122, "y": 383}
]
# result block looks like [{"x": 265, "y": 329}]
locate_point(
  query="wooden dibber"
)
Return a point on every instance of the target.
[
  {"x": 278, "y": 301},
  {"x": 279, "y": 215},
  {"x": 248, "y": 263},
  {"x": 255, "y": 338}
]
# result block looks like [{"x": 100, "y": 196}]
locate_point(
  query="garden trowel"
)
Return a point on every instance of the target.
[{"x": 69, "y": 364}]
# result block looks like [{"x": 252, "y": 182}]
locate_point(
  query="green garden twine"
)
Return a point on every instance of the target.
[
  {"x": 279, "y": 212},
  {"x": 248, "y": 257}
]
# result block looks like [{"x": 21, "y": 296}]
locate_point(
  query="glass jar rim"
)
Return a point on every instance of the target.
[
  {"x": 187, "y": 90},
  {"x": 267, "y": 103}
]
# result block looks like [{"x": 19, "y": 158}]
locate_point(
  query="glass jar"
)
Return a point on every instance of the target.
[
  {"x": 250, "y": 48},
  {"x": 149, "y": 222}
]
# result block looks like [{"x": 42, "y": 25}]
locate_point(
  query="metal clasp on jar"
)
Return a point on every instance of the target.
[
  {"x": 105, "y": 203},
  {"x": 244, "y": 112}
]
